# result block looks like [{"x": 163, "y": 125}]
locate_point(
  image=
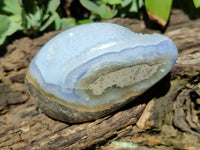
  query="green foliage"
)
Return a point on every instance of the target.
[
  {"x": 35, "y": 16},
  {"x": 196, "y": 3},
  {"x": 160, "y": 9},
  {"x": 107, "y": 9},
  {"x": 191, "y": 8},
  {"x": 9, "y": 18},
  {"x": 30, "y": 17}
]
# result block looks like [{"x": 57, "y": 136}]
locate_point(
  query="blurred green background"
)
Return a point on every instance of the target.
[{"x": 34, "y": 17}]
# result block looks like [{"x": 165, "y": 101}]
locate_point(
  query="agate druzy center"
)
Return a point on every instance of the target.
[
  {"x": 123, "y": 78},
  {"x": 90, "y": 70}
]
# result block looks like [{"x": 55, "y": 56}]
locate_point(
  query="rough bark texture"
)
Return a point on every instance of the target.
[{"x": 166, "y": 116}]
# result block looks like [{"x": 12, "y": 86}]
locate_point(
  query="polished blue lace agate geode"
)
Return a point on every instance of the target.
[{"x": 91, "y": 70}]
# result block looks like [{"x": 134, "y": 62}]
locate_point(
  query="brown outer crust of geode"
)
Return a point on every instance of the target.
[{"x": 56, "y": 109}]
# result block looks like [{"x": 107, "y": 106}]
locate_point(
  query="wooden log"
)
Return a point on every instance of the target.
[{"x": 166, "y": 116}]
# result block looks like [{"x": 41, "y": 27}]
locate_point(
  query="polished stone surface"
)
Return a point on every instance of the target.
[{"x": 91, "y": 70}]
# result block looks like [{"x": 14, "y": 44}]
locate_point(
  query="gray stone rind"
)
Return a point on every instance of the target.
[{"x": 61, "y": 112}]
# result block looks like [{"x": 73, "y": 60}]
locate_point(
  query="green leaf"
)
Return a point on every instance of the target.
[
  {"x": 136, "y": 4},
  {"x": 83, "y": 21},
  {"x": 5, "y": 25},
  {"x": 67, "y": 22},
  {"x": 36, "y": 15},
  {"x": 2, "y": 39},
  {"x": 114, "y": 2},
  {"x": 45, "y": 16},
  {"x": 90, "y": 6},
  {"x": 126, "y": 3},
  {"x": 159, "y": 10},
  {"x": 14, "y": 26},
  {"x": 134, "y": 7},
  {"x": 106, "y": 12},
  {"x": 17, "y": 18},
  {"x": 26, "y": 25},
  {"x": 8, "y": 27},
  {"x": 52, "y": 5},
  {"x": 20, "y": 2},
  {"x": 196, "y": 3},
  {"x": 32, "y": 20},
  {"x": 48, "y": 22},
  {"x": 12, "y": 6},
  {"x": 140, "y": 3},
  {"x": 57, "y": 21}
]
